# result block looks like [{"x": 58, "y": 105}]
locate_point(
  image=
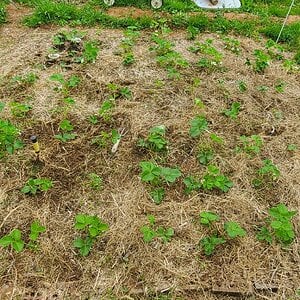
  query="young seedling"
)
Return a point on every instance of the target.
[
  {"x": 267, "y": 173},
  {"x": 232, "y": 45},
  {"x": 158, "y": 195},
  {"x": 66, "y": 127},
  {"x": 205, "y": 156},
  {"x": 37, "y": 185},
  {"x": 156, "y": 139},
  {"x": 279, "y": 225},
  {"x": 27, "y": 79},
  {"x": 233, "y": 229},
  {"x": 251, "y": 144},
  {"x": 95, "y": 181},
  {"x": 19, "y": 110},
  {"x": 14, "y": 239},
  {"x": 242, "y": 86},
  {"x": 213, "y": 179},
  {"x": 262, "y": 61},
  {"x": 92, "y": 227},
  {"x": 9, "y": 141},
  {"x": 210, "y": 243},
  {"x": 191, "y": 184},
  {"x": 198, "y": 125},
  {"x": 233, "y": 111},
  {"x": 151, "y": 232},
  {"x": 90, "y": 52},
  {"x": 292, "y": 147},
  {"x": 65, "y": 85},
  {"x": 207, "y": 218},
  {"x": 35, "y": 230}
]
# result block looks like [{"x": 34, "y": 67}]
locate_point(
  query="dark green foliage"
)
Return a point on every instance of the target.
[
  {"x": 210, "y": 243},
  {"x": 3, "y": 14}
]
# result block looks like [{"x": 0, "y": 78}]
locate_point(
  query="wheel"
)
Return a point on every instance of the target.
[
  {"x": 156, "y": 3},
  {"x": 109, "y": 2}
]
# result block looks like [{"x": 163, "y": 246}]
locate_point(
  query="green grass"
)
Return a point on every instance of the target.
[{"x": 3, "y": 14}]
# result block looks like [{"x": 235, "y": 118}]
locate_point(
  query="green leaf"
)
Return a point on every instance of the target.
[
  {"x": 206, "y": 218},
  {"x": 192, "y": 184},
  {"x": 57, "y": 77},
  {"x": 66, "y": 125},
  {"x": 83, "y": 245},
  {"x": 234, "y": 230},
  {"x": 6, "y": 241},
  {"x": 148, "y": 234},
  {"x": 2, "y": 105},
  {"x": 264, "y": 235},
  {"x": 210, "y": 243},
  {"x": 233, "y": 111},
  {"x": 170, "y": 175},
  {"x": 281, "y": 212},
  {"x": 150, "y": 171},
  {"x": 18, "y": 245},
  {"x": 198, "y": 126},
  {"x": 158, "y": 195}
]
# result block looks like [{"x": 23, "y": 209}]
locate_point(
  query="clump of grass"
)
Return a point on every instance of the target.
[{"x": 3, "y": 14}]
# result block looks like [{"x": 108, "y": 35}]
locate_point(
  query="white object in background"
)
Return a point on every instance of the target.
[{"x": 218, "y": 4}]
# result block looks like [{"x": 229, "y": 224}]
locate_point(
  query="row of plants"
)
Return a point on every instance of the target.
[
  {"x": 61, "y": 13},
  {"x": 277, "y": 226}
]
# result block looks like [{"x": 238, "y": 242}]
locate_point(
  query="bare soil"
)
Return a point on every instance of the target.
[{"x": 121, "y": 265}]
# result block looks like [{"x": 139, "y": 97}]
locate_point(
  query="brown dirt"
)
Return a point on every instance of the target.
[
  {"x": 129, "y": 12},
  {"x": 121, "y": 265}
]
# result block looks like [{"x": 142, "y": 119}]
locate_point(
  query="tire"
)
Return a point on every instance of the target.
[
  {"x": 109, "y": 2},
  {"x": 156, "y": 4}
]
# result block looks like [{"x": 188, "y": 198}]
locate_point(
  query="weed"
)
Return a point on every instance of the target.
[
  {"x": 234, "y": 230},
  {"x": 152, "y": 231},
  {"x": 95, "y": 181},
  {"x": 33, "y": 186},
  {"x": 207, "y": 218},
  {"x": 93, "y": 227},
  {"x": 168, "y": 58},
  {"x": 213, "y": 179},
  {"x": 14, "y": 239},
  {"x": 198, "y": 125},
  {"x": 233, "y": 111},
  {"x": 210, "y": 243},
  {"x": 156, "y": 139},
  {"x": 9, "y": 141},
  {"x": 251, "y": 144}
]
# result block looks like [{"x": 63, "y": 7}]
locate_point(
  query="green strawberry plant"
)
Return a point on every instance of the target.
[
  {"x": 191, "y": 184},
  {"x": 250, "y": 144},
  {"x": 269, "y": 172},
  {"x": 210, "y": 243},
  {"x": 157, "y": 176},
  {"x": 95, "y": 181},
  {"x": 19, "y": 109},
  {"x": 92, "y": 227},
  {"x": 13, "y": 239},
  {"x": 151, "y": 231},
  {"x": 65, "y": 84},
  {"x": 33, "y": 186},
  {"x": 233, "y": 111},
  {"x": 66, "y": 127},
  {"x": 205, "y": 155},
  {"x": 198, "y": 125},
  {"x": 156, "y": 139},
  {"x": 9, "y": 141},
  {"x": 262, "y": 61},
  {"x": 207, "y": 218},
  {"x": 233, "y": 229},
  {"x": 35, "y": 230},
  {"x": 279, "y": 225},
  {"x": 213, "y": 179}
]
